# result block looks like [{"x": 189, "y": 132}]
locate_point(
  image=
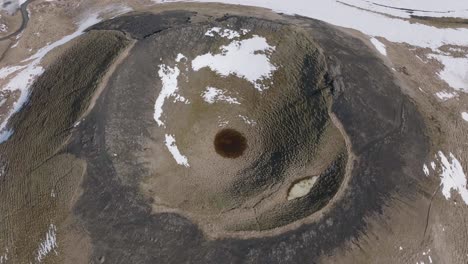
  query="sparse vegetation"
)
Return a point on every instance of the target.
[{"x": 37, "y": 167}]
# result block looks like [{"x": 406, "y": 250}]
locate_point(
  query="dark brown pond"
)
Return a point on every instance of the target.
[{"x": 230, "y": 143}]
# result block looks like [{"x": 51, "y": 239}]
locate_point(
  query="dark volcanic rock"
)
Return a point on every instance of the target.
[{"x": 142, "y": 25}]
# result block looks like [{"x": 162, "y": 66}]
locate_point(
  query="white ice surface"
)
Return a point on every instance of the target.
[
  {"x": 246, "y": 58},
  {"x": 379, "y": 46},
  {"x": 48, "y": 245},
  {"x": 212, "y": 95},
  {"x": 452, "y": 177},
  {"x": 465, "y": 116},
  {"x": 172, "y": 147}
]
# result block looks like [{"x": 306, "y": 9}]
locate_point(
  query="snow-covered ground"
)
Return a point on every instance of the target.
[
  {"x": 452, "y": 176},
  {"x": 337, "y": 13},
  {"x": 3, "y": 28},
  {"x": 48, "y": 245},
  {"x": 230, "y": 60},
  {"x": 341, "y": 13},
  {"x": 172, "y": 147},
  {"x": 233, "y": 57},
  {"x": 247, "y": 120},
  {"x": 379, "y": 46},
  {"x": 302, "y": 188},
  {"x": 444, "y": 96},
  {"x": 169, "y": 88},
  {"x": 465, "y": 116},
  {"x": 4, "y": 257},
  {"x": 212, "y": 95},
  {"x": 225, "y": 33},
  {"x": 455, "y": 71},
  {"x": 10, "y": 6},
  {"x": 406, "y": 8}
]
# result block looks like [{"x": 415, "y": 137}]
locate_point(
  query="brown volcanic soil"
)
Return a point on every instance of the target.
[{"x": 292, "y": 138}]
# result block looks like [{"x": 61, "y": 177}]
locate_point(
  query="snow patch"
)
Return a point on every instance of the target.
[
  {"x": 379, "y": 46},
  {"x": 6, "y": 71},
  {"x": 4, "y": 257},
  {"x": 225, "y": 33},
  {"x": 223, "y": 123},
  {"x": 455, "y": 71},
  {"x": 465, "y": 116},
  {"x": 248, "y": 121},
  {"x": 5, "y": 135},
  {"x": 169, "y": 88},
  {"x": 301, "y": 188},
  {"x": 452, "y": 177},
  {"x": 248, "y": 59},
  {"x": 344, "y": 14},
  {"x": 179, "y": 57},
  {"x": 3, "y": 28},
  {"x": 212, "y": 95},
  {"x": 426, "y": 170},
  {"x": 172, "y": 147},
  {"x": 48, "y": 245},
  {"x": 444, "y": 96}
]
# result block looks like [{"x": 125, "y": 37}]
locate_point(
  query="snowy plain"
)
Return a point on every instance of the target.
[{"x": 406, "y": 9}]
